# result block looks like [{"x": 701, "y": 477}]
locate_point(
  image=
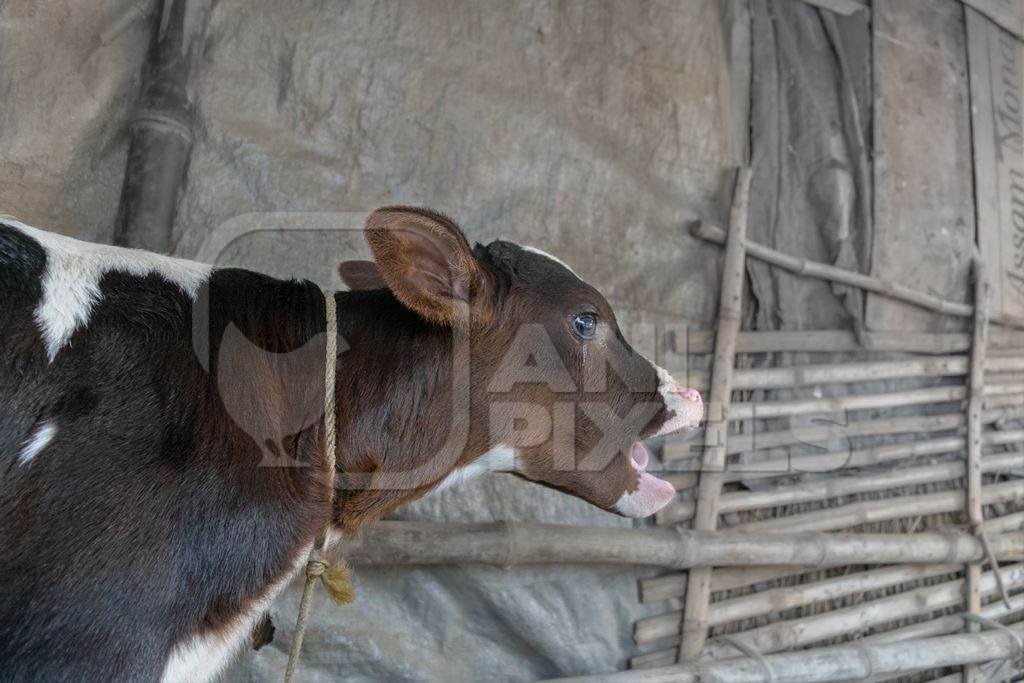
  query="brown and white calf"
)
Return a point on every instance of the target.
[{"x": 147, "y": 405}]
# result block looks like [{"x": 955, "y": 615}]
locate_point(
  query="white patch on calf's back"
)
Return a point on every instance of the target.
[
  {"x": 71, "y": 282},
  {"x": 498, "y": 459},
  {"x": 40, "y": 439}
]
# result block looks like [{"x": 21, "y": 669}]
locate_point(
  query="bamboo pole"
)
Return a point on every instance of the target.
[
  {"x": 845, "y": 485},
  {"x": 763, "y": 603},
  {"x": 763, "y": 440},
  {"x": 669, "y": 586},
  {"x": 787, "y": 465},
  {"x": 842, "y": 663},
  {"x": 511, "y": 543},
  {"x": 976, "y": 384},
  {"x": 805, "y": 631},
  {"x": 698, "y": 596},
  {"x": 852, "y": 372},
  {"x": 838, "y": 373},
  {"x": 946, "y": 624},
  {"x": 827, "y": 341},
  {"x": 869, "y": 511},
  {"x": 823, "y": 271},
  {"x": 771, "y": 409},
  {"x": 1003, "y": 342}
]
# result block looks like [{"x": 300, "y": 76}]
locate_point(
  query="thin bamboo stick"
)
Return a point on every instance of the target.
[
  {"x": 763, "y": 603},
  {"x": 668, "y": 586},
  {"x": 823, "y": 271},
  {"x": 828, "y": 341},
  {"x": 842, "y": 663},
  {"x": 1003, "y": 341},
  {"x": 698, "y": 596},
  {"x": 947, "y": 624},
  {"x": 976, "y": 384},
  {"x": 772, "y": 409},
  {"x": 843, "y": 485},
  {"x": 762, "y": 440},
  {"x": 787, "y": 465},
  {"x": 511, "y": 543},
  {"x": 838, "y": 373},
  {"x": 866, "y": 512},
  {"x": 805, "y": 631}
]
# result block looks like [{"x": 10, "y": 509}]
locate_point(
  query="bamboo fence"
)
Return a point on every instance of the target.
[{"x": 883, "y": 432}]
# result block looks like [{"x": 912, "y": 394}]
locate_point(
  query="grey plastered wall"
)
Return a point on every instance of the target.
[{"x": 924, "y": 188}]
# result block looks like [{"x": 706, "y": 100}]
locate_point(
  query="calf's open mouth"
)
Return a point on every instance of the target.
[{"x": 651, "y": 493}]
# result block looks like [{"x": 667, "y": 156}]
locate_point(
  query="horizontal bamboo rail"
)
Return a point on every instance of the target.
[
  {"x": 700, "y": 342},
  {"x": 870, "y": 511},
  {"x": 815, "y": 628},
  {"x": 787, "y": 377},
  {"x": 947, "y": 624},
  {"x": 763, "y": 603},
  {"x": 787, "y": 465},
  {"x": 763, "y": 440},
  {"x": 843, "y": 663},
  {"x": 771, "y": 409},
  {"x": 844, "y": 484},
  {"x": 673, "y": 585},
  {"x": 511, "y": 543},
  {"x": 805, "y": 631},
  {"x": 823, "y": 271},
  {"x": 668, "y": 586}
]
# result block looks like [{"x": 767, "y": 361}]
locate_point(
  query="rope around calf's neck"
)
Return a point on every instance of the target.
[{"x": 334, "y": 576}]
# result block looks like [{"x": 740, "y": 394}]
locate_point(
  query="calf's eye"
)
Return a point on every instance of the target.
[{"x": 585, "y": 324}]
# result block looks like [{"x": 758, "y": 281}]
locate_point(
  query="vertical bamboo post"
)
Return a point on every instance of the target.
[
  {"x": 975, "y": 439},
  {"x": 694, "y": 626}
]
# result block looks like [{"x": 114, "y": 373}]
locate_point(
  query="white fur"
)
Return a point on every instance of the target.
[
  {"x": 203, "y": 658},
  {"x": 40, "y": 440},
  {"x": 71, "y": 283},
  {"x": 498, "y": 459},
  {"x": 650, "y": 496},
  {"x": 541, "y": 252},
  {"x": 686, "y": 415}
]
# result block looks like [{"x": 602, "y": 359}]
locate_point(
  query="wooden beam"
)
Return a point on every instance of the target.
[
  {"x": 843, "y": 663},
  {"x": 512, "y": 543}
]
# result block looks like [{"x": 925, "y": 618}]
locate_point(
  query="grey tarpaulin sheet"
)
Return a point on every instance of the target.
[{"x": 810, "y": 132}]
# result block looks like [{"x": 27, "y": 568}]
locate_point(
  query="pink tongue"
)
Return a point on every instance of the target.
[
  {"x": 651, "y": 493},
  {"x": 641, "y": 456}
]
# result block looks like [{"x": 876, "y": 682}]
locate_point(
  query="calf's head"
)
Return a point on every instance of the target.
[{"x": 559, "y": 395}]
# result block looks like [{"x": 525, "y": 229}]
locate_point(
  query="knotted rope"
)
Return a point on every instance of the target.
[{"x": 335, "y": 576}]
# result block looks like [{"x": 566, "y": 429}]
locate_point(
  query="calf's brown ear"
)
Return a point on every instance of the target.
[
  {"x": 361, "y": 275},
  {"x": 425, "y": 260}
]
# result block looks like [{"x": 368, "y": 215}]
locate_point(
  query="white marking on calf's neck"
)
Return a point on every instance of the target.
[
  {"x": 71, "y": 283},
  {"x": 40, "y": 440},
  {"x": 498, "y": 459},
  {"x": 541, "y": 252}
]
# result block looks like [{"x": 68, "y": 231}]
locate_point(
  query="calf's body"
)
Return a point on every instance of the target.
[{"x": 161, "y": 432}]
